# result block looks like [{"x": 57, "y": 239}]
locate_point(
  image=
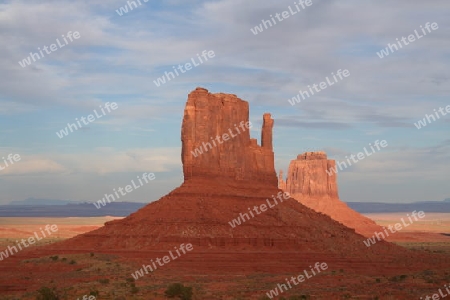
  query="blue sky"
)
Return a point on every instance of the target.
[{"x": 118, "y": 57}]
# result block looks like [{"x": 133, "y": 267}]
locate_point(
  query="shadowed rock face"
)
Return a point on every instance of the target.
[
  {"x": 216, "y": 142},
  {"x": 309, "y": 183},
  {"x": 284, "y": 239},
  {"x": 223, "y": 184}
]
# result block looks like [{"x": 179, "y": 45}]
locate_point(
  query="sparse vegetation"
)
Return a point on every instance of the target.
[
  {"x": 46, "y": 293},
  {"x": 104, "y": 281},
  {"x": 398, "y": 278},
  {"x": 134, "y": 290},
  {"x": 180, "y": 291}
]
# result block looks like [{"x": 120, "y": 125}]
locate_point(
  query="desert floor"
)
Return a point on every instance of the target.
[
  {"x": 109, "y": 275},
  {"x": 431, "y": 233}
]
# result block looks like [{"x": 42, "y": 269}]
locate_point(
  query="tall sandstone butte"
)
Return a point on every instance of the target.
[
  {"x": 309, "y": 183},
  {"x": 284, "y": 238},
  {"x": 307, "y": 176},
  {"x": 222, "y": 185},
  {"x": 236, "y": 157}
]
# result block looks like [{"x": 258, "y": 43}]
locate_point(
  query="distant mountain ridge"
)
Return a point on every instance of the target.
[
  {"x": 68, "y": 208},
  {"x": 426, "y": 206},
  {"x": 116, "y": 209},
  {"x": 37, "y": 201}
]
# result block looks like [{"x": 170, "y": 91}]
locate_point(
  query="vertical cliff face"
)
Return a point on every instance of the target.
[
  {"x": 216, "y": 142},
  {"x": 309, "y": 183},
  {"x": 307, "y": 176},
  {"x": 225, "y": 179}
]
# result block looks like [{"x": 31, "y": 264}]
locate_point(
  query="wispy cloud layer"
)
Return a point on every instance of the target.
[{"x": 118, "y": 57}]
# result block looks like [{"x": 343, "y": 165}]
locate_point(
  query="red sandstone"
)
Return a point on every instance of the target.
[
  {"x": 309, "y": 183},
  {"x": 219, "y": 185}
]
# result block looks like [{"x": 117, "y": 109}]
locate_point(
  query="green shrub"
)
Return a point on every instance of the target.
[
  {"x": 104, "y": 281},
  {"x": 398, "y": 278},
  {"x": 180, "y": 291},
  {"x": 46, "y": 293}
]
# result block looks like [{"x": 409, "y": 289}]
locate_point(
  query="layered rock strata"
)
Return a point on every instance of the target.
[
  {"x": 311, "y": 182},
  {"x": 223, "y": 184},
  {"x": 307, "y": 175},
  {"x": 216, "y": 141}
]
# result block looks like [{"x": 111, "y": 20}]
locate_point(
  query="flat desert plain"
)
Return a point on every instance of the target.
[
  {"x": 16, "y": 227},
  {"x": 431, "y": 233},
  {"x": 108, "y": 275}
]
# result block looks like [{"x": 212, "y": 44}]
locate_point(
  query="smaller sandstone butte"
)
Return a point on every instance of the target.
[
  {"x": 309, "y": 183},
  {"x": 216, "y": 142}
]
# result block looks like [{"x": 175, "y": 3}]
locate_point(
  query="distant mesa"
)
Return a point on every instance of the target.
[
  {"x": 227, "y": 182},
  {"x": 309, "y": 183},
  {"x": 307, "y": 176},
  {"x": 223, "y": 184}
]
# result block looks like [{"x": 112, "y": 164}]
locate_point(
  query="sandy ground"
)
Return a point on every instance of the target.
[
  {"x": 67, "y": 227},
  {"x": 78, "y": 274},
  {"x": 432, "y": 222},
  {"x": 434, "y": 227}
]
